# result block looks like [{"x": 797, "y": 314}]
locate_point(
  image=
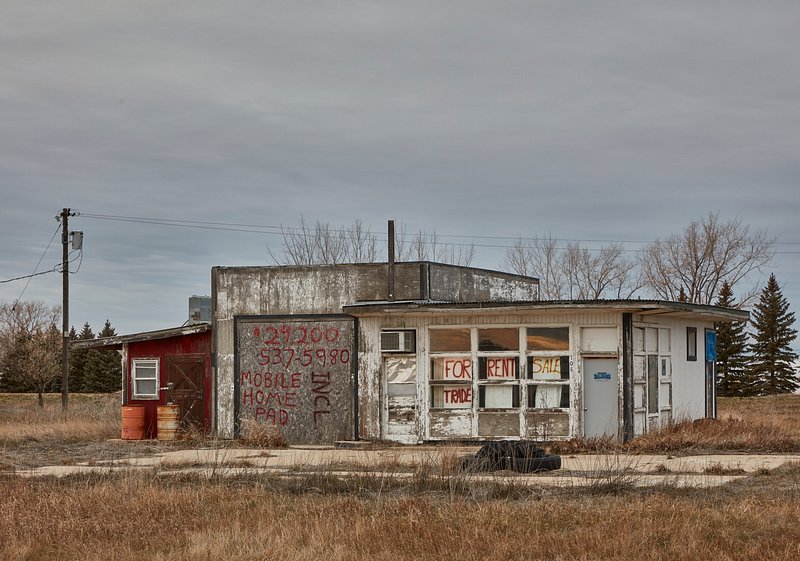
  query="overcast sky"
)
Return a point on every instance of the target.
[{"x": 583, "y": 120}]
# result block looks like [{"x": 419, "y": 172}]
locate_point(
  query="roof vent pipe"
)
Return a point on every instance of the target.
[{"x": 391, "y": 260}]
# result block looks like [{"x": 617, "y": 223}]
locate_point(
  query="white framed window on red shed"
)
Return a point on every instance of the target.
[{"x": 145, "y": 378}]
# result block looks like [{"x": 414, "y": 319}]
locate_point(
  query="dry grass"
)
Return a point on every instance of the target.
[
  {"x": 429, "y": 511},
  {"x": 90, "y": 418},
  {"x": 135, "y": 517},
  {"x": 752, "y": 425},
  {"x": 781, "y": 412}
]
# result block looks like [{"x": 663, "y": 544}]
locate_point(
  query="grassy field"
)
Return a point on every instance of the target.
[{"x": 434, "y": 515}]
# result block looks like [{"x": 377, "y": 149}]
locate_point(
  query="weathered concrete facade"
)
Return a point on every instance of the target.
[
  {"x": 535, "y": 370},
  {"x": 302, "y": 299},
  {"x": 325, "y": 353}
]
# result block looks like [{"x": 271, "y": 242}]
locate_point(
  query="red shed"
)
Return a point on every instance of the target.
[{"x": 166, "y": 366}]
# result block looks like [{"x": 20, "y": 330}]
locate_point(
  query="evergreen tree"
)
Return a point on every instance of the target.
[
  {"x": 773, "y": 356},
  {"x": 733, "y": 375},
  {"x": 77, "y": 359},
  {"x": 103, "y": 370}
]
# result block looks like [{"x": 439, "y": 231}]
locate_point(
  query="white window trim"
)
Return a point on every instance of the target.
[{"x": 149, "y": 363}]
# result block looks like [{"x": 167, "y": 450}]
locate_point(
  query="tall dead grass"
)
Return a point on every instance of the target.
[
  {"x": 136, "y": 517},
  {"x": 89, "y": 418},
  {"x": 755, "y": 425}
]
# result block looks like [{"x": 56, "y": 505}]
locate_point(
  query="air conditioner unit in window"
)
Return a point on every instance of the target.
[{"x": 398, "y": 341}]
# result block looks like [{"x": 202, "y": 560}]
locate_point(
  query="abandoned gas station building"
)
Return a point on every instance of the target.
[{"x": 422, "y": 351}]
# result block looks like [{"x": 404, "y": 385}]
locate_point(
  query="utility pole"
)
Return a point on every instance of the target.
[{"x": 65, "y": 214}]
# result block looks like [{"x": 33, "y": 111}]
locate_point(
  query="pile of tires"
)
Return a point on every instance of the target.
[{"x": 514, "y": 455}]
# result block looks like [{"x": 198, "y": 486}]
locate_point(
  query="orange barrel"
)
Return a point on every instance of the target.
[
  {"x": 169, "y": 419},
  {"x": 132, "y": 422}
]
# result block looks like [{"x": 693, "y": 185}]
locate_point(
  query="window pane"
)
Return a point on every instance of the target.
[
  {"x": 548, "y": 367},
  {"x": 452, "y": 369},
  {"x": 498, "y": 397},
  {"x": 400, "y": 370},
  {"x": 639, "y": 367},
  {"x": 666, "y": 394},
  {"x": 691, "y": 343},
  {"x": 505, "y": 368},
  {"x": 548, "y": 396},
  {"x": 449, "y": 340},
  {"x": 548, "y": 338},
  {"x": 652, "y": 383},
  {"x": 144, "y": 387},
  {"x": 451, "y": 397},
  {"x": 145, "y": 372},
  {"x": 506, "y": 339},
  {"x": 638, "y": 339},
  {"x": 407, "y": 390},
  {"x": 664, "y": 344},
  {"x": 651, "y": 345}
]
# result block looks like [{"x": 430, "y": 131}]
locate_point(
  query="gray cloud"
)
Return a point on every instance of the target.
[{"x": 616, "y": 121}]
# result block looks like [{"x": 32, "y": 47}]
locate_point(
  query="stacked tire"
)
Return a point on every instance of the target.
[{"x": 520, "y": 456}]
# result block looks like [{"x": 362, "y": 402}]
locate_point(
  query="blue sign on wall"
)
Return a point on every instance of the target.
[
  {"x": 711, "y": 346},
  {"x": 602, "y": 376}
]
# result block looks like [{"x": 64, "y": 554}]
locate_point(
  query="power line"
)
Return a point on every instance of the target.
[
  {"x": 282, "y": 230},
  {"x": 35, "y": 274},
  {"x": 53, "y": 270}
]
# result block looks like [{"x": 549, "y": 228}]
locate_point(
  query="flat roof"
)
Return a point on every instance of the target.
[{"x": 644, "y": 307}]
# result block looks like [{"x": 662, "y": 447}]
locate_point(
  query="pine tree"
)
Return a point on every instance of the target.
[
  {"x": 733, "y": 374},
  {"x": 103, "y": 372},
  {"x": 773, "y": 356},
  {"x": 77, "y": 359}
]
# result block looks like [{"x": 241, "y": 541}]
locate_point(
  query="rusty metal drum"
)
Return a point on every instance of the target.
[
  {"x": 168, "y": 421},
  {"x": 132, "y": 422}
]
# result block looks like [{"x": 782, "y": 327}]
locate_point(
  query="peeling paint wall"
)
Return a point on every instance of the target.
[
  {"x": 296, "y": 376},
  {"x": 238, "y": 292},
  {"x": 398, "y": 407},
  {"x": 437, "y": 424}
]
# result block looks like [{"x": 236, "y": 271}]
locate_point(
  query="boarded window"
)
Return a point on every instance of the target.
[
  {"x": 548, "y": 367},
  {"x": 452, "y": 369},
  {"x": 498, "y": 368},
  {"x": 455, "y": 396}
]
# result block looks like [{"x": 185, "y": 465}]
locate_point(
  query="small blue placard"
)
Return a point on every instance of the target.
[
  {"x": 711, "y": 346},
  {"x": 602, "y": 375}
]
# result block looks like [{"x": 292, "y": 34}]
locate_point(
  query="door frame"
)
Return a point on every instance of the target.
[{"x": 617, "y": 377}]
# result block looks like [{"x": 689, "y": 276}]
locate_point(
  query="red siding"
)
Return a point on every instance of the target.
[{"x": 160, "y": 348}]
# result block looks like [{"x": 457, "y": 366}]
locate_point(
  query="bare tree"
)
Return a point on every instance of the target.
[
  {"x": 322, "y": 243},
  {"x": 602, "y": 274},
  {"x": 30, "y": 346},
  {"x": 574, "y": 272},
  {"x": 708, "y": 253},
  {"x": 538, "y": 258},
  {"x": 429, "y": 247}
]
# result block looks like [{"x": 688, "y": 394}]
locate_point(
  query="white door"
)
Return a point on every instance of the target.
[{"x": 600, "y": 397}]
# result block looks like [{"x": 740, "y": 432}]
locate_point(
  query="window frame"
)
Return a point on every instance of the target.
[
  {"x": 652, "y": 364},
  {"x": 691, "y": 344},
  {"x": 531, "y": 382},
  {"x": 149, "y": 363}
]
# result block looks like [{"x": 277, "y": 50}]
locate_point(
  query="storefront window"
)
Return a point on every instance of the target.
[
  {"x": 548, "y": 339},
  {"x": 498, "y": 368},
  {"x": 451, "y": 382},
  {"x": 449, "y": 340}
]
